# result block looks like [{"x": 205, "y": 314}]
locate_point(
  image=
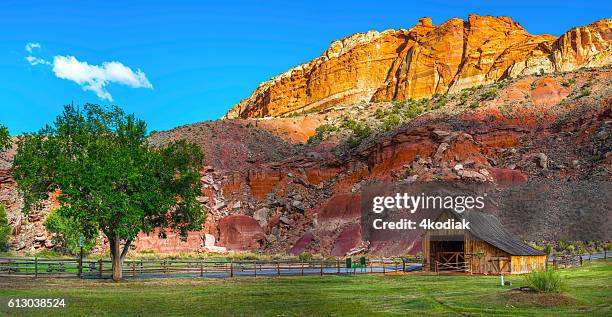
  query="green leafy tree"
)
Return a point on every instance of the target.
[
  {"x": 5, "y": 138},
  {"x": 109, "y": 178},
  {"x": 5, "y": 230},
  {"x": 68, "y": 233}
]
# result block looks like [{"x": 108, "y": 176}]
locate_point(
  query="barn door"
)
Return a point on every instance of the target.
[{"x": 499, "y": 264}]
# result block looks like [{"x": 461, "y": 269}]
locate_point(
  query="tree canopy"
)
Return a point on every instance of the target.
[
  {"x": 5, "y": 138},
  {"x": 5, "y": 230},
  {"x": 109, "y": 178}
]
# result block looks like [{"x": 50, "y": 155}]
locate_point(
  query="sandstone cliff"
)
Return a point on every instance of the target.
[{"x": 425, "y": 60}]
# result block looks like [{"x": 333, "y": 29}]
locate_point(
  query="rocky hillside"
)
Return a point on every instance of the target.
[
  {"x": 294, "y": 184},
  {"x": 267, "y": 189},
  {"x": 425, "y": 60}
]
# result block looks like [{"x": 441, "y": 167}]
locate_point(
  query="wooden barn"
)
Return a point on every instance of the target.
[{"x": 485, "y": 248}]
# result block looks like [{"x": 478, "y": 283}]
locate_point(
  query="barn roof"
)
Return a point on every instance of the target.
[{"x": 488, "y": 228}]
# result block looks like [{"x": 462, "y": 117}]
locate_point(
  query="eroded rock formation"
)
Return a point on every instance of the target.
[{"x": 424, "y": 60}]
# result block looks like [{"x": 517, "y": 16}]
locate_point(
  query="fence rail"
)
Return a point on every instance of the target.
[
  {"x": 69, "y": 267},
  {"x": 571, "y": 260}
]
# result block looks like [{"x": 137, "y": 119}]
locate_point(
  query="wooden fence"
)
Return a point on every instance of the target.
[
  {"x": 69, "y": 267},
  {"x": 571, "y": 260}
]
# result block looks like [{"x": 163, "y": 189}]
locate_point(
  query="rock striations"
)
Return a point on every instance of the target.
[{"x": 425, "y": 60}]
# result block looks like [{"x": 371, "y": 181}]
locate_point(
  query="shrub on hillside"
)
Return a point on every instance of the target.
[
  {"x": 414, "y": 109},
  {"x": 489, "y": 94},
  {"x": 321, "y": 132},
  {"x": 391, "y": 121},
  {"x": 544, "y": 281},
  {"x": 359, "y": 131},
  {"x": 5, "y": 230}
]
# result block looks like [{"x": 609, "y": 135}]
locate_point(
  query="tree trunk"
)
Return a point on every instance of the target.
[
  {"x": 117, "y": 257},
  {"x": 117, "y": 267}
]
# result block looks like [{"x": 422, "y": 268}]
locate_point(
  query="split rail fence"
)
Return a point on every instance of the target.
[{"x": 69, "y": 267}]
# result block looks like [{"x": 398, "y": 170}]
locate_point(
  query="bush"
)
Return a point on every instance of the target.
[
  {"x": 380, "y": 114},
  {"x": 585, "y": 91},
  {"x": 67, "y": 233},
  {"x": 391, "y": 121},
  {"x": 464, "y": 97},
  {"x": 359, "y": 131},
  {"x": 5, "y": 230},
  {"x": 562, "y": 246},
  {"x": 5, "y": 139},
  {"x": 489, "y": 94},
  {"x": 305, "y": 256},
  {"x": 413, "y": 110},
  {"x": 398, "y": 104},
  {"x": 321, "y": 132},
  {"x": 544, "y": 281},
  {"x": 548, "y": 249},
  {"x": 439, "y": 100},
  {"x": 568, "y": 82}
]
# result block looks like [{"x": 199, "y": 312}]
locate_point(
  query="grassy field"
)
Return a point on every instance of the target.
[{"x": 587, "y": 291}]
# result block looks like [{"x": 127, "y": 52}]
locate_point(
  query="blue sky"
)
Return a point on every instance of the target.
[{"x": 200, "y": 58}]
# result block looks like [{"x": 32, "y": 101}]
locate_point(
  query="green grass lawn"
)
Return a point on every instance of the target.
[{"x": 587, "y": 291}]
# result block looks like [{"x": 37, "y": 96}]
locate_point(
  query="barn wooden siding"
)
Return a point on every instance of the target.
[
  {"x": 484, "y": 258},
  {"x": 527, "y": 263}
]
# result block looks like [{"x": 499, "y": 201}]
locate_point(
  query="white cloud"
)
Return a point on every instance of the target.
[
  {"x": 92, "y": 77},
  {"x": 32, "y": 59},
  {"x": 95, "y": 78},
  {"x": 32, "y": 45},
  {"x": 36, "y": 61}
]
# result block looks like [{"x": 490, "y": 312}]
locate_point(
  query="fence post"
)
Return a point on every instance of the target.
[
  {"x": 581, "y": 260},
  {"x": 605, "y": 254},
  {"x": 201, "y": 268},
  {"x": 403, "y": 265},
  {"x": 555, "y": 263},
  {"x": 338, "y": 265},
  {"x": 255, "y": 268},
  {"x": 100, "y": 267},
  {"x": 231, "y": 268},
  {"x": 321, "y": 268},
  {"x": 36, "y": 267},
  {"x": 383, "y": 263},
  {"x": 81, "y": 264},
  {"x": 302, "y": 268},
  {"x": 278, "y": 269}
]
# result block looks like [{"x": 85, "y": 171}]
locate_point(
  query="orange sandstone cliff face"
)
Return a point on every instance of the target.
[{"x": 427, "y": 59}]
